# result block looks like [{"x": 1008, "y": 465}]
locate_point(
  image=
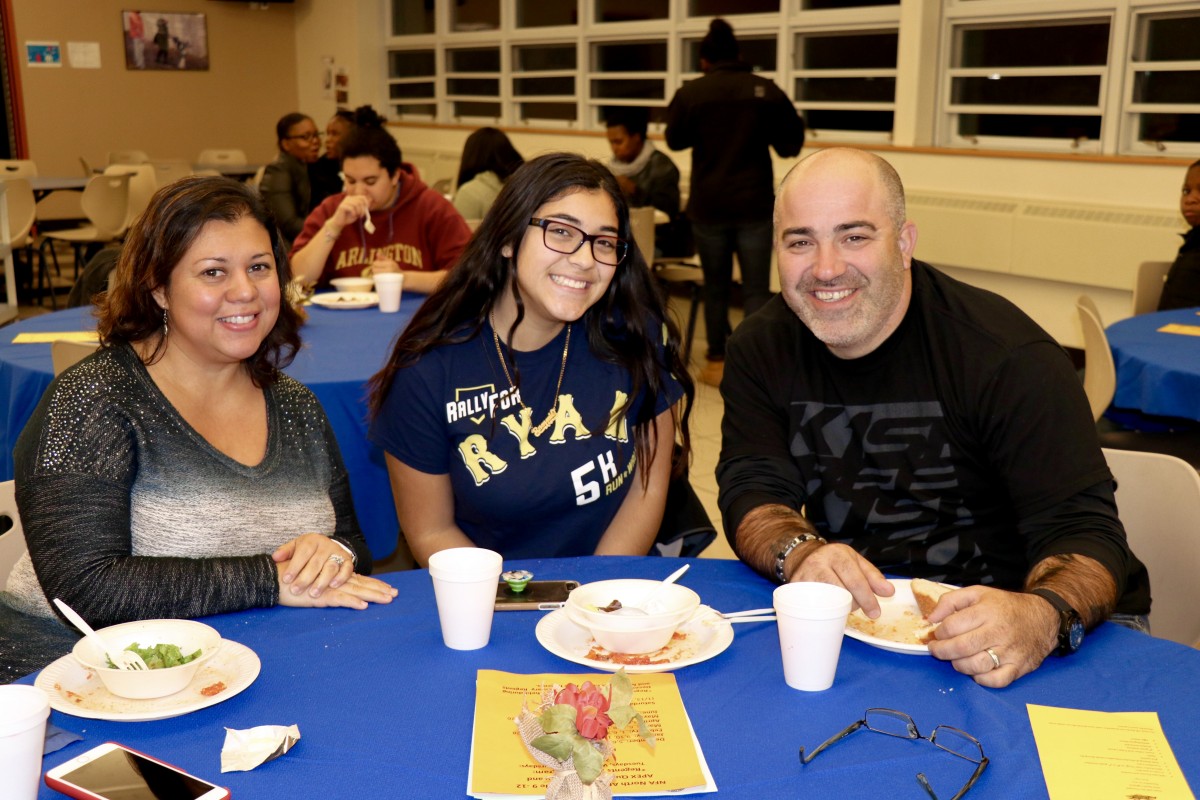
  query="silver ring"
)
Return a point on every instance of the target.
[
  {"x": 995, "y": 658},
  {"x": 339, "y": 560}
]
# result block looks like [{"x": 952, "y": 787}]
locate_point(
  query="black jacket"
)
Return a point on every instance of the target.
[
  {"x": 731, "y": 118},
  {"x": 1182, "y": 289}
]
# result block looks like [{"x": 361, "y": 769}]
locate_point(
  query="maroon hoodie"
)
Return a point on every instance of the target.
[{"x": 421, "y": 231}]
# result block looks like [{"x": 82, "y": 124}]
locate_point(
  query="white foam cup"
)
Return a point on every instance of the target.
[
  {"x": 23, "y": 713},
  {"x": 464, "y": 584},
  {"x": 812, "y": 620},
  {"x": 389, "y": 286}
]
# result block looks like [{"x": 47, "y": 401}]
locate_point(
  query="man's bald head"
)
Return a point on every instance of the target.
[{"x": 847, "y": 158}]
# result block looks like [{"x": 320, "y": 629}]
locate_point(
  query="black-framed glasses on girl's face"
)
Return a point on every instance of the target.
[
  {"x": 313, "y": 136},
  {"x": 900, "y": 725},
  {"x": 567, "y": 239}
]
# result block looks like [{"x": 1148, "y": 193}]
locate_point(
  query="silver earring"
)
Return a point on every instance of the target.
[{"x": 166, "y": 327}]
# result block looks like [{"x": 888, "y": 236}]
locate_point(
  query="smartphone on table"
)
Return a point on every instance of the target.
[
  {"x": 115, "y": 772},
  {"x": 538, "y": 596}
]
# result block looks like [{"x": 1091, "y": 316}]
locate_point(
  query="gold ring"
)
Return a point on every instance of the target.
[{"x": 995, "y": 658}]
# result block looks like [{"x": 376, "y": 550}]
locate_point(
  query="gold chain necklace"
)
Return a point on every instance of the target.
[{"x": 538, "y": 430}]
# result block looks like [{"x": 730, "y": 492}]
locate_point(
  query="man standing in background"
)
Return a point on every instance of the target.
[{"x": 731, "y": 119}]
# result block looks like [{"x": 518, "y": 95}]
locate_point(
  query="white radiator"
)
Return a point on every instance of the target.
[{"x": 1066, "y": 242}]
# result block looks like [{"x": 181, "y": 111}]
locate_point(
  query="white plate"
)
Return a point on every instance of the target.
[
  {"x": 706, "y": 635},
  {"x": 347, "y": 300},
  {"x": 899, "y": 610},
  {"x": 75, "y": 690}
]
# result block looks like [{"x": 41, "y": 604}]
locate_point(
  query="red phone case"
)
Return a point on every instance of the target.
[{"x": 72, "y": 790}]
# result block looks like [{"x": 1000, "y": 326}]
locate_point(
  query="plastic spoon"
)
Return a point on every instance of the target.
[
  {"x": 640, "y": 611},
  {"x": 123, "y": 659}
]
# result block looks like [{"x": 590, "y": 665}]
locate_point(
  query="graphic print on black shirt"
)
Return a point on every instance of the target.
[{"x": 904, "y": 503}]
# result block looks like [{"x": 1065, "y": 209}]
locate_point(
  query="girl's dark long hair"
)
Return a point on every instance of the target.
[
  {"x": 624, "y": 327},
  {"x": 488, "y": 150}
]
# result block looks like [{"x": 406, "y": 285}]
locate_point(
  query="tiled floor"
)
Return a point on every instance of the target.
[{"x": 706, "y": 432}]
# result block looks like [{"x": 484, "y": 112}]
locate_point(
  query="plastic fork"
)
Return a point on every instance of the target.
[
  {"x": 123, "y": 659},
  {"x": 753, "y": 615}
]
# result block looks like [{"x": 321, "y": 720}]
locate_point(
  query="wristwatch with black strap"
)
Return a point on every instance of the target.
[{"x": 1070, "y": 625}]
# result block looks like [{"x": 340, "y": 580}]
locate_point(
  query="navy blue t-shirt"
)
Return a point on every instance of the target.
[{"x": 515, "y": 492}]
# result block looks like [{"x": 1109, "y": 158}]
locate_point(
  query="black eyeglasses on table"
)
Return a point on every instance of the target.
[
  {"x": 900, "y": 725},
  {"x": 567, "y": 239}
]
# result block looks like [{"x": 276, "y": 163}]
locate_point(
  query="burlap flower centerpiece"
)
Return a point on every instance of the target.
[{"x": 569, "y": 734}]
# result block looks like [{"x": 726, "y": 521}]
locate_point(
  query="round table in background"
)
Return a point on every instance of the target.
[
  {"x": 342, "y": 349},
  {"x": 1158, "y": 372}
]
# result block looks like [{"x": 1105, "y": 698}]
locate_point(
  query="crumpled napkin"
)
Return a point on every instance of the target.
[
  {"x": 57, "y": 738},
  {"x": 246, "y": 749}
]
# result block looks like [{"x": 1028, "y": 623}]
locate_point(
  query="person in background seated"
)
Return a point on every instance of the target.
[
  {"x": 882, "y": 417},
  {"x": 731, "y": 118},
  {"x": 531, "y": 405},
  {"x": 647, "y": 176},
  {"x": 94, "y": 278},
  {"x": 285, "y": 186},
  {"x": 326, "y": 174},
  {"x": 177, "y": 472},
  {"x": 1182, "y": 287},
  {"x": 386, "y": 219},
  {"x": 488, "y": 158}
]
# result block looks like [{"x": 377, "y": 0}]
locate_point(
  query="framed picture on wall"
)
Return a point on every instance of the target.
[{"x": 165, "y": 41}]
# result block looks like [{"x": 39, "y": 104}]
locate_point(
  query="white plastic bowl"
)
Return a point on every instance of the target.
[
  {"x": 673, "y": 606},
  {"x": 139, "y": 684},
  {"x": 352, "y": 284}
]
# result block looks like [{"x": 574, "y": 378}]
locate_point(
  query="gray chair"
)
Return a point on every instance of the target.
[
  {"x": 1147, "y": 290},
  {"x": 128, "y": 157},
  {"x": 105, "y": 201},
  {"x": 22, "y": 213},
  {"x": 219, "y": 157},
  {"x": 65, "y": 354},
  {"x": 167, "y": 171},
  {"x": 1158, "y": 501},
  {"x": 17, "y": 168},
  {"x": 1100, "y": 374},
  {"x": 12, "y": 536},
  {"x": 143, "y": 182}
]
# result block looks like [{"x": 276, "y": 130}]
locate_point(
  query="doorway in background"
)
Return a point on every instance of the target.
[{"x": 12, "y": 143}]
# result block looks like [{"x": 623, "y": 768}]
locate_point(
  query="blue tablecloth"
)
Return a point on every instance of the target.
[
  {"x": 1157, "y": 373},
  {"x": 342, "y": 350},
  {"x": 385, "y": 710}
]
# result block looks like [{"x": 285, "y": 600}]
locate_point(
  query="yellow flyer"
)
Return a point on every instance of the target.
[
  {"x": 29, "y": 337},
  {"x": 500, "y": 764},
  {"x": 1097, "y": 755},
  {"x": 1185, "y": 330}
]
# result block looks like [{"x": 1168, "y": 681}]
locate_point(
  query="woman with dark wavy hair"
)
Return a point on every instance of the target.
[
  {"x": 488, "y": 158},
  {"x": 531, "y": 405},
  {"x": 176, "y": 472}
]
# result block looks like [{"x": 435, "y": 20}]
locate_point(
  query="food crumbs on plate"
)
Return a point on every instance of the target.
[
  {"x": 216, "y": 688},
  {"x": 673, "y": 651}
]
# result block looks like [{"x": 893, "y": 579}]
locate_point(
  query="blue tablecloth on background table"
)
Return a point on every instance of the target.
[
  {"x": 385, "y": 710},
  {"x": 1157, "y": 373},
  {"x": 342, "y": 349}
]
